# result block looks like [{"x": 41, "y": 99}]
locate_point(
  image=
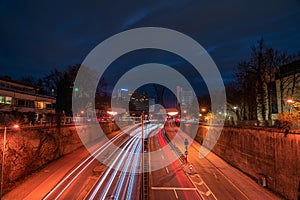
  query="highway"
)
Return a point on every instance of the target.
[
  {"x": 119, "y": 178},
  {"x": 159, "y": 173},
  {"x": 87, "y": 177},
  {"x": 171, "y": 181}
]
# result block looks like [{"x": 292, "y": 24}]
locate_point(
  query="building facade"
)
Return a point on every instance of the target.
[
  {"x": 24, "y": 100},
  {"x": 287, "y": 86},
  {"x": 139, "y": 103}
]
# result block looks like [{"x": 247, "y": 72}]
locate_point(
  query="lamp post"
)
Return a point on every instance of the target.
[
  {"x": 142, "y": 123},
  {"x": 3, "y": 159},
  {"x": 16, "y": 126},
  {"x": 290, "y": 102}
]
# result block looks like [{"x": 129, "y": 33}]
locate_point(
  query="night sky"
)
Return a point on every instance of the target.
[{"x": 38, "y": 36}]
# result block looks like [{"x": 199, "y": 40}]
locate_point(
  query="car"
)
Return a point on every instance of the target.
[{"x": 103, "y": 119}]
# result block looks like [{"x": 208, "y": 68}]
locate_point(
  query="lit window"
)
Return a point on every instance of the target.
[
  {"x": 40, "y": 105},
  {"x": 8, "y": 100},
  {"x": 1, "y": 99}
]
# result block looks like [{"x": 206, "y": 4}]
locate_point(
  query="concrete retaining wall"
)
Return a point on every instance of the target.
[
  {"x": 29, "y": 149},
  {"x": 261, "y": 153}
]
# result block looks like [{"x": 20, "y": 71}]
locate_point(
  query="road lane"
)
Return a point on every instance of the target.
[
  {"x": 75, "y": 183},
  {"x": 223, "y": 180},
  {"x": 122, "y": 178},
  {"x": 170, "y": 181}
]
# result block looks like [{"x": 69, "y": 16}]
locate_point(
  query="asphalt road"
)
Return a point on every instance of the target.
[
  {"x": 215, "y": 177},
  {"x": 169, "y": 182},
  {"x": 81, "y": 176}
]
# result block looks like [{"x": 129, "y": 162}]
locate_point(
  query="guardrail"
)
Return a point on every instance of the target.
[{"x": 145, "y": 181}]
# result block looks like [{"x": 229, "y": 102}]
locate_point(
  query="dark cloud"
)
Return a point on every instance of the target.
[{"x": 38, "y": 36}]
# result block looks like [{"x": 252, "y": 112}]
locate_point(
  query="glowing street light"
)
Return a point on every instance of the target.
[
  {"x": 113, "y": 113},
  {"x": 172, "y": 113},
  {"x": 203, "y": 109},
  {"x": 16, "y": 126},
  {"x": 290, "y": 101}
]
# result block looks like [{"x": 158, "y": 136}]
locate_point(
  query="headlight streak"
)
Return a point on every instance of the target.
[
  {"x": 118, "y": 163},
  {"x": 132, "y": 175},
  {"x": 122, "y": 160},
  {"x": 121, "y": 164},
  {"x": 86, "y": 162},
  {"x": 136, "y": 161},
  {"x": 128, "y": 162}
]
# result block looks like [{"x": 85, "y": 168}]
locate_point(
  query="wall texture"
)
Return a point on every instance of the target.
[
  {"x": 29, "y": 149},
  {"x": 261, "y": 153}
]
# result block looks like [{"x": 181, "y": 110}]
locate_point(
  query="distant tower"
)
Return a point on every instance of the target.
[
  {"x": 139, "y": 103},
  {"x": 179, "y": 91},
  {"x": 184, "y": 97}
]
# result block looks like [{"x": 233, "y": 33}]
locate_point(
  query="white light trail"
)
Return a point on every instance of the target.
[{"x": 86, "y": 162}]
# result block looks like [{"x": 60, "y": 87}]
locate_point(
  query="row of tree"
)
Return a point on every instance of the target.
[
  {"x": 60, "y": 84},
  {"x": 254, "y": 90}
]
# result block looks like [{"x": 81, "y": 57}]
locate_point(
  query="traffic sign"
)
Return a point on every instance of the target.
[
  {"x": 191, "y": 167},
  {"x": 186, "y": 153}
]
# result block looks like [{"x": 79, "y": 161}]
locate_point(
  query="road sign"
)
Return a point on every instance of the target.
[
  {"x": 186, "y": 153},
  {"x": 191, "y": 167}
]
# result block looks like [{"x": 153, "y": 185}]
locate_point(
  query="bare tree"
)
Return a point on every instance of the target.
[
  {"x": 256, "y": 79},
  {"x": 247, "y": 86}
]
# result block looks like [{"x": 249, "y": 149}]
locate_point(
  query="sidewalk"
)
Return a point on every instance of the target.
[{"x": 40, "y": 183}]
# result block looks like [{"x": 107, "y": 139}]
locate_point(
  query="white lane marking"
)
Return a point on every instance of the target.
[
  {"x": 167, "y": 170},
  {"x": 173, "y": 188},
  {"x": 175, "y": 194},
  {"x": 162, "y": 157},
  {"x": 208, "y": 193}
]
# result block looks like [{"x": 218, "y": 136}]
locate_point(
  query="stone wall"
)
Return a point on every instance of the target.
[
  {"x": 261, "y": 153},
  {"x": 29, "y": 149}
]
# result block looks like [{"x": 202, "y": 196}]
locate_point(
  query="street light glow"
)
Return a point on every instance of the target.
[
  {"x": 16, "y": 126},
  {"x": 290, "y": 101},
  {"x": 112, "y": 113},
  {"x": 173, "y": 113}
]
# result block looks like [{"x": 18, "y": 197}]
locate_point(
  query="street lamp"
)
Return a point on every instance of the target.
[
  {"x": 16, "y": 126},
  {"x": 290, "y": 102},
  {"x": 113, "y": 113},
  {"x": 172, "y": 113}
]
